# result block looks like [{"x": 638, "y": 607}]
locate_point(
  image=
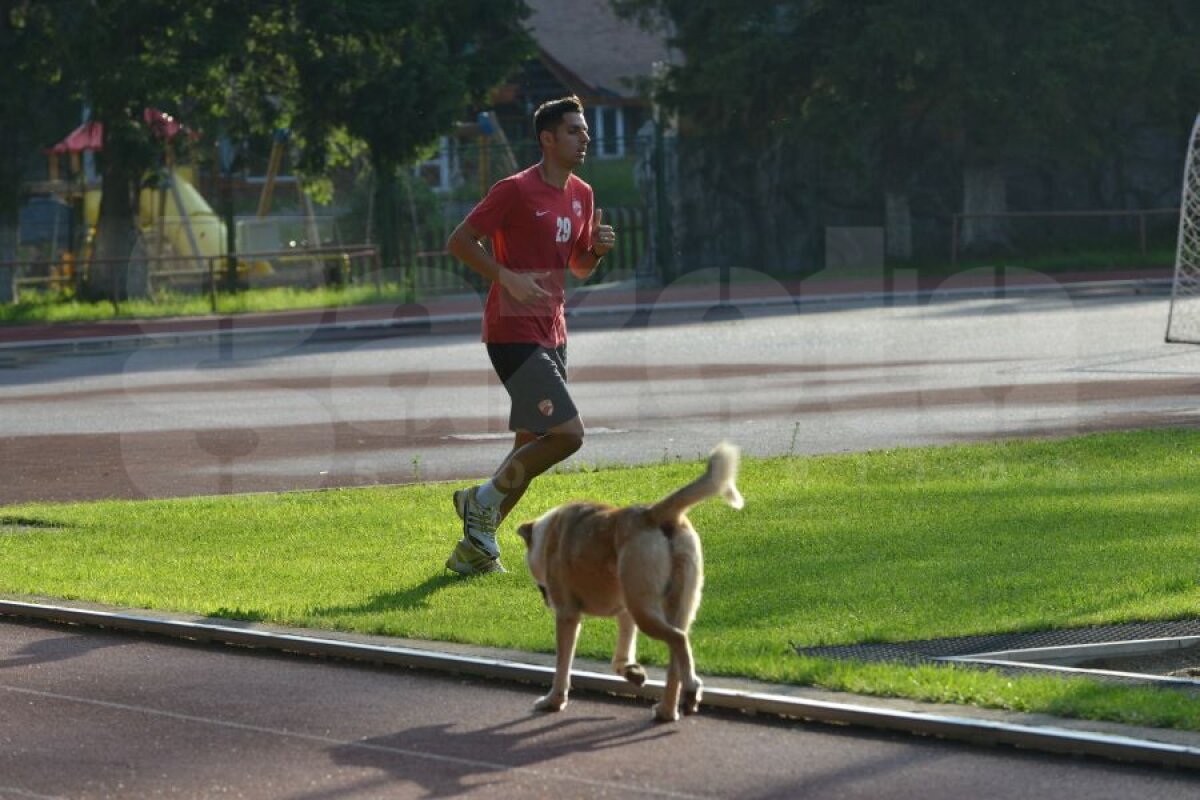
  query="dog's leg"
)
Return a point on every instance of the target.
[
  {"x": 681, "y": 605},
  {"x": 624, "y": 661},
  {"x": 667, "y": 708},
  {"x": 655, "y": 625},
  {"x": 681, "y": 679},
  {"x": 683, "y": 668},
  {"x": 566, "y": 634},
  {"x": 693, "y": 688}
]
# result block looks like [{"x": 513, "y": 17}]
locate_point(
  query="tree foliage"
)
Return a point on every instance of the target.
[
  {"x": 991, "y": 79},
  {"x": 121, "y": 57},
  {"x": 31, "y": 115},
  {"x": 883, "y": 86},
  {"x": 393, "y": 75}
]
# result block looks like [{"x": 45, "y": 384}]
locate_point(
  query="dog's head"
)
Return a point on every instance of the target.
[
  {"x": 533, "y": 534},
  {"x": 525, "y": 531},
  {"x": 544, "y": 535}
]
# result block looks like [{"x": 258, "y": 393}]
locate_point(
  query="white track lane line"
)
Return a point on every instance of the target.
[{"x": 329, "y": 740}]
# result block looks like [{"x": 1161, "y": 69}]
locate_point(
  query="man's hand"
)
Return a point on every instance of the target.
[
  {"x": 603, "y": 236},
  {"x": 523, "y": 286}
]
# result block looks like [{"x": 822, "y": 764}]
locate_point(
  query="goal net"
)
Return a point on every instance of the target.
[{"x": 1183, "y": 322}]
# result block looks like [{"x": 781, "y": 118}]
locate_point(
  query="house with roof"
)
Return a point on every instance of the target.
[{"x": 585, "y": 49}]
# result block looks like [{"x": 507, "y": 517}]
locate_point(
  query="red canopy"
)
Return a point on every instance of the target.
[
  {"x": 90, "y": 135},
  {"x": 164, "y": 125}
]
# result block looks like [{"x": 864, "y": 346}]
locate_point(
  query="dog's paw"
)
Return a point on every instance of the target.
[
  {"x": 665, "y": 713},
  {"x": 551, "y": 702},
  {"x": 691, "y": 698},
  {"x": 635, "y": 674}
]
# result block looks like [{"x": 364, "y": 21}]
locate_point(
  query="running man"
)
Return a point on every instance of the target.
[{"x": 541, "y": 222}]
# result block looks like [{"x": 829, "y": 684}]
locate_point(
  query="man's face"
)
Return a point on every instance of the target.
[{"x": 570, "y": 142}]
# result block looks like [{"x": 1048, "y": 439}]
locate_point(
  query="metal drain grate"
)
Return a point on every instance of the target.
[{"x": 930, "y": 649}]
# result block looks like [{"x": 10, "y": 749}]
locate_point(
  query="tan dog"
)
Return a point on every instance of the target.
[{"x": 641, "y": 564}]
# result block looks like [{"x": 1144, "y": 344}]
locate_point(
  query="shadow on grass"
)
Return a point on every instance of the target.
[
  {"x": 13, "y": 524},
  {"x": 232, "y": 615},
  {"x": 401, "y": 600}
]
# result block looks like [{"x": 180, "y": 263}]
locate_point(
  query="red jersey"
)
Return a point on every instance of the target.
[{"x": 534, "y": 227}]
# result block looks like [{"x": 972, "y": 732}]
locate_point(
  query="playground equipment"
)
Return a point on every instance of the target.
[
  {"x": 178, "y": 214},
  {"x": 488, "y": 133},
  {"x": 258, "y": 234},
  {"x": 174, "y": 215}
]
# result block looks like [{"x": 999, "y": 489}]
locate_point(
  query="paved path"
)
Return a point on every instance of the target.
[
  {"x": 96, "y": 715},
  {"x": 352, "y": 406}
]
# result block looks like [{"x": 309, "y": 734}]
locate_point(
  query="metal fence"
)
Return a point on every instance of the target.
[
  {"x": 307, "y": 267},
  {"x": 1044, "y": 233},
  {"x": 432, "y": 270}
]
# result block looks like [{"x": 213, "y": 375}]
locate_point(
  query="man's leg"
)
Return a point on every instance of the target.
[
  {"x": 520, "y": 439},
  {"x": 535, "y": 379},
  {"x": 532, "y": 455}
]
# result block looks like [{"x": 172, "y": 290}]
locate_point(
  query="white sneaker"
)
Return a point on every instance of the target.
[
  {"x": 466, "y": 559},
  {"x": 479, "y": 521}
]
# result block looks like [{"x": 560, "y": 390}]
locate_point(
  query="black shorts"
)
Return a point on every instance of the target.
[{"x": 536, "y": 380}]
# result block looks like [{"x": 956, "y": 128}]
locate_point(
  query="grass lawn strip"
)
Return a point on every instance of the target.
[{"x": 885, "y": 546}]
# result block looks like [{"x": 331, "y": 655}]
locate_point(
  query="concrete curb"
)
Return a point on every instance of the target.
[
  {"x": 1030, "y": 735},
  {"x": 422, "y": 323}
]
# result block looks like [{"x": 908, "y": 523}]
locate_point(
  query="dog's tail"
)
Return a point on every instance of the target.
[{"x": 720, "y": 478}]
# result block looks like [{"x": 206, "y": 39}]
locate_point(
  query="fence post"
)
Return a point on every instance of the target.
[
  {"x": 212, "y": 283},
  {"x": 231, "y": 276},
  {"x": 662, "y": 233},
  {"x": 9, "y": 293},
  {"x": 954, "y": 241}
]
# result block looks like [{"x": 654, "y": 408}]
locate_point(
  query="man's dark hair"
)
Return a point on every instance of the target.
[{"x": 551, "y": 113}]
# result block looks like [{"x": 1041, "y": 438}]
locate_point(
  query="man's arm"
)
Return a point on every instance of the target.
[
  {"x": 603, "y": 240},
  {"x": 464, "y": 245},
  {"x": 582, "y": 266}
]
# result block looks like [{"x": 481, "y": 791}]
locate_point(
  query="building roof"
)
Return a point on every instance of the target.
[{"x": 598, "y": 50}]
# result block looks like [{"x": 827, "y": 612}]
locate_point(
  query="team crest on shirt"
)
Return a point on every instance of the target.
[
  {"x": 546, "y": 407},
  {"x": 578, "y": 206}
]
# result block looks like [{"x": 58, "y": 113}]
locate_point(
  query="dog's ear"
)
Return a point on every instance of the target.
[{"x": 525, "y": 531}]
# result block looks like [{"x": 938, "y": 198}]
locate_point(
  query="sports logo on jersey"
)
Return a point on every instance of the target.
[
  {"x": 546, "y": 407},
  {"x": 578, "y": 208}
]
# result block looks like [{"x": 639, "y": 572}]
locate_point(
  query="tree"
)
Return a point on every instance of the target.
[
  {"x": 121, "y": 57},
  {"x": 885, "y": 83},
  {"x": 32, "y": 116},
  {"x": 394, "y": 75}
]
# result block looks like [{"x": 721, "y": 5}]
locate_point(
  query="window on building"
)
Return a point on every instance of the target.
[
  {"x": 609, "y": 132},
  {"x": 439, "y": 171}
]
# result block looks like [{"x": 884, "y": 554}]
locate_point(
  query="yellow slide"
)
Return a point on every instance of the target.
[{"x": 187, "y": 220}]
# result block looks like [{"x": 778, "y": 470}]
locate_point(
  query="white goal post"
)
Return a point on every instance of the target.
[{"x": 1183, "y": 322}]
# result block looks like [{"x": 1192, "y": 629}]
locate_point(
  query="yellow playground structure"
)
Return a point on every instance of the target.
[
  {"x": 175, "y": 220},
  {"x": 182, "y": 238}
]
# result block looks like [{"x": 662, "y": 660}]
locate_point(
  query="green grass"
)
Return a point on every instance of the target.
[
  {"x": 613, "y": 182},
  {"x": 1075, "y": 259},
  {"x": 1012, "y": 268},
  {"x": 884, "y": 546},
  {"x": 49, "y": 307}
]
